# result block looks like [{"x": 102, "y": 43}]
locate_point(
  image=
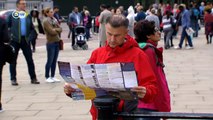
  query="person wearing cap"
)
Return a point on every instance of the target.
[{"x": 185, "y": 22}]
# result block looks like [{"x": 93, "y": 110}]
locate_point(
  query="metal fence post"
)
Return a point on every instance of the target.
[{"x": 106, "y": 106}]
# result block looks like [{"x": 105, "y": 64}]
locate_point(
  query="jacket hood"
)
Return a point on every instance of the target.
[
  {"x": 130, "y": 42},
  {"x": 158, "y": 51},
  {"x": 131, "y": 11}
]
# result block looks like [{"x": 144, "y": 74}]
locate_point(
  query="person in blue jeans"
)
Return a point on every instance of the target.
[
  {"x": 52, "y": 30},
  {"x": 87, "y": 22},
  {"x": 194, "y": 19},
  {"x": 21, "y": 29},
  {"x": 185, "y": 22}
]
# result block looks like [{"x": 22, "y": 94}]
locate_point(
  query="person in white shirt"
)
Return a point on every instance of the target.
[{"x": 131, "y": 18}]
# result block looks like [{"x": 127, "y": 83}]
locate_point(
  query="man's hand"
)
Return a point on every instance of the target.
[
  {"x": 68, "y": 89},
  {"x": 140, "y": 90}
]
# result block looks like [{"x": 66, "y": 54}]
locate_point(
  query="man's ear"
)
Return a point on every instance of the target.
[{"x": 126, "y": 31}]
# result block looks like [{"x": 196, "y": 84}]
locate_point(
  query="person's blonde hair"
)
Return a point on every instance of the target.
[
  {"x": 45, "y": 11},
  {"x": 86, "y": 12}
]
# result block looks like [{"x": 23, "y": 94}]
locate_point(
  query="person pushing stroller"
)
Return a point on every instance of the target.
[{"x": 75, "y": 19}]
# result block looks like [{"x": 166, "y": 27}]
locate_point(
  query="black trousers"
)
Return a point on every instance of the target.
[
  {"x": 28, "y": 56},
  {"x": 1, "y": 68},
  {"x": 33, "y": 42},
  {"x": 73, "y": 36}
]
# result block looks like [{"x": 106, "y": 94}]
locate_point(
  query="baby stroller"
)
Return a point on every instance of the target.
[{"x": 80, "y": 38}]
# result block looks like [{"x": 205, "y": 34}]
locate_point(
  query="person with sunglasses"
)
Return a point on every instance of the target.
[{"x": 147, "y": 35}]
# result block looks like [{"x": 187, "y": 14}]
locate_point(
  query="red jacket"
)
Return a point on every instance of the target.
[
  {"x": 128, "y": 52},
  {"x": 161, "y": 102}
]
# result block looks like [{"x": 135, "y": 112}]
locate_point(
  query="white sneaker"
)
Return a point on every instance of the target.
[
  {"x": 1, "y": 110},
  {"x": 189, "y": 47},
  {"x": 50, "y": 80},
  {"x": 177, "y": 47},
  {"x": 55, "y": 79}
]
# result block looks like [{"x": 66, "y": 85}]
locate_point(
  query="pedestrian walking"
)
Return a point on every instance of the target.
[
  {"x": 194, "y": 17},
  {"x": 57, "y": 15},
  {"x": 153, "y": 17},
  {"x": 75, "y": 19},
  {"x": 131, "y": 18},
  {"x": 169, "y": 24},
  {"x": 140, "y": 14},
  {"x": 185, "y": 22},
  {"x": 208, "y": 20},
  {"x": 102, "y": 20}
]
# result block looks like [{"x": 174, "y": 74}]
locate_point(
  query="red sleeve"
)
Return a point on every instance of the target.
[
  {"x": 146, "y": 76},
  {"x": 93, "y": 57},
  {"x": 93, "y": 112}
]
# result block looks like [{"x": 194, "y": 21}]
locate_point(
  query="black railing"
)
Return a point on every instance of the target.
[
  {"x": 107, "y": 105},
  {"x": 171, "y": 115}
]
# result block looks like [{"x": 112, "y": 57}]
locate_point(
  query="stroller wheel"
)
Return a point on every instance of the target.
[
  {"x": 75, "y": 47},
  {"x": 85, "y": 47}
]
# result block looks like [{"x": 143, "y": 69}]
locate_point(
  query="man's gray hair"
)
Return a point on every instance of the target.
[{"x": 118, "y": 21}]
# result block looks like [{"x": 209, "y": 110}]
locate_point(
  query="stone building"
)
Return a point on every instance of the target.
[
  {"x": 11, "y": 4},
  {"x": 66, "y": 6}
]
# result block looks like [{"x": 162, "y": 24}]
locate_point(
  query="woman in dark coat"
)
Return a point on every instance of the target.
[
  {"x": 38, "y": 27},
  {"x": 4, "y": 38},
  {"x": 87, "y": 22}
]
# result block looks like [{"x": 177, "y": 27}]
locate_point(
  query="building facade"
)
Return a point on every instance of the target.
[
  {"x": 66, "y": 6},
  {"x": 11, "y": 4}
]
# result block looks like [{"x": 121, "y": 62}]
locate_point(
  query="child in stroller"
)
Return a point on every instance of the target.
[{"x": 80, "y": 38}]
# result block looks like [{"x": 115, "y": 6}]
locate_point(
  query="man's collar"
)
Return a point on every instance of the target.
[{"x": 20, "y": 10}]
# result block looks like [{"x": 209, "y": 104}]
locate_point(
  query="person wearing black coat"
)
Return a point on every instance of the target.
[
  {"x": 38, "y": 28},
  {"x": 87, "y": 22},
  {"x": 4, "y": 38}
]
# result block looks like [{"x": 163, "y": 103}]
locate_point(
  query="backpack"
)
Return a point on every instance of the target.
[
  {"x": 173, "y": 23},
  {"x": 96, "y": 21},
  {"x": 144, "y": 46},
  {"x": 195, "y": 13}
]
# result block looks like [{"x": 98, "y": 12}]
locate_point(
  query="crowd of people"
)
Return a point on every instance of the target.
[
  {"x": 115, "y": 37},
  {"x": 121, "y": 33},
  {"x": 170, "y": 19}
]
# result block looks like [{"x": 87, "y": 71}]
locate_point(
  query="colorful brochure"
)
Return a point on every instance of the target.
[{"x": 94, "y": 80}]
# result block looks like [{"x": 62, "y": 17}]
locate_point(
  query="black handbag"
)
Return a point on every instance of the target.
[
  {"x": 61, "y": 45},
  {"x": 9, "y": 55},
  {"x": 33, "y": 35}
]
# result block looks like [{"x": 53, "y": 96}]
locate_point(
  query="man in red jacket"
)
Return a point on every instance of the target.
[{"x": 122, "y": 48}]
